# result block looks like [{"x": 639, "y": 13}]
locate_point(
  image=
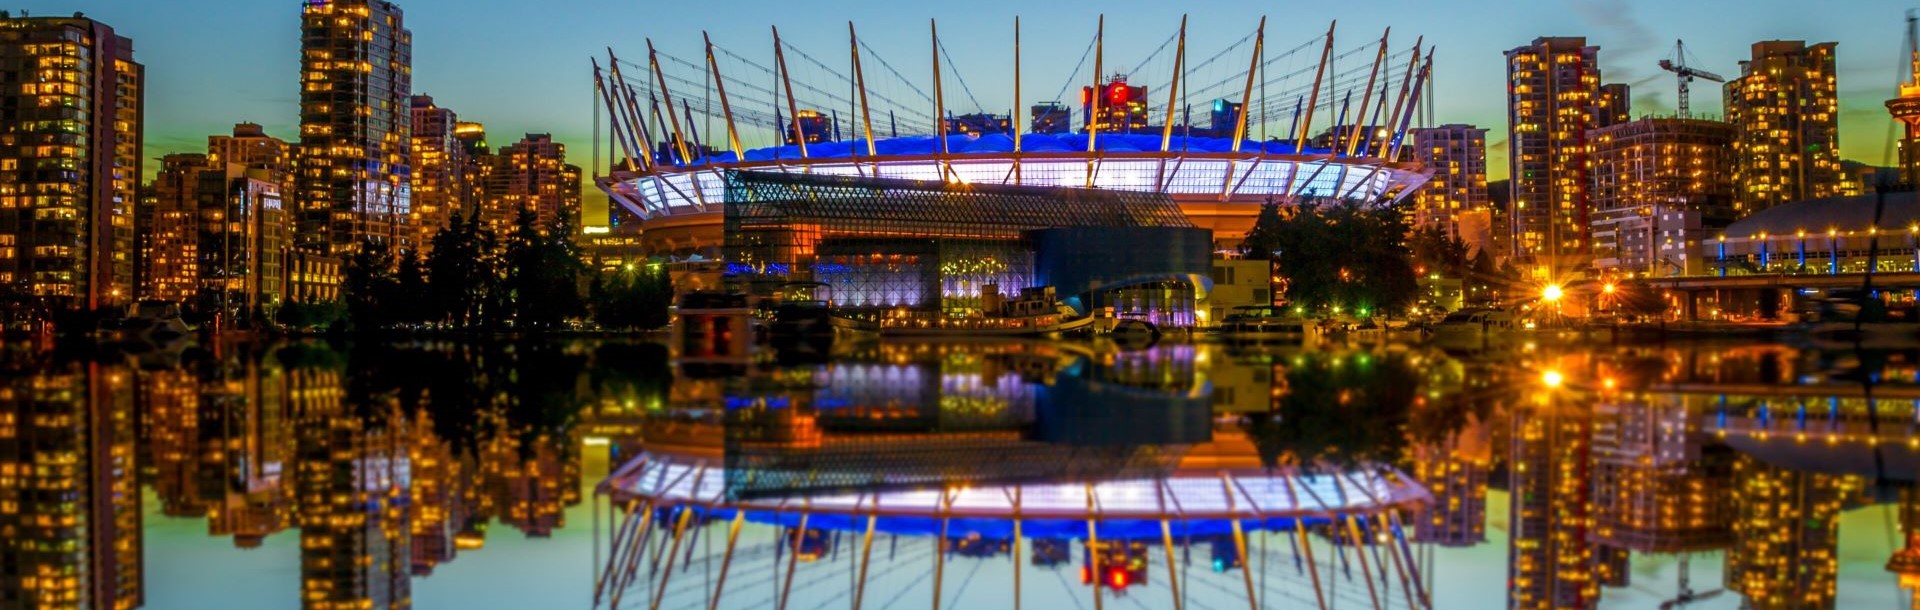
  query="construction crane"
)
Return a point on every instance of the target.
[{"x": 1678, "y": 66}]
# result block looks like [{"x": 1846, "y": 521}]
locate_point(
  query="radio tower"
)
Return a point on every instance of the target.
[{"x": 1906, "y": 108}]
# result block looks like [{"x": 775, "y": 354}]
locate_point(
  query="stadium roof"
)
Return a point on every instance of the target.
[
  {"x": 999, "y": 143},
  {"x": 835, "y": 203},
  {"x": 1842, "y": 214}
]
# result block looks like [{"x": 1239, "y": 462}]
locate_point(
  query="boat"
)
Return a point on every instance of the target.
[
  {"x": 801, "y": 320},
  {"x": 1474, "y": 324},
  {"x": 1266, "y": 323},
  {"x": 154, "y": 322},
  {"x": 1134, "y": 333}
]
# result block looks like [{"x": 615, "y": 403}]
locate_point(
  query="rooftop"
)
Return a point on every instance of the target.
[{"x": 1841, "y": 214}]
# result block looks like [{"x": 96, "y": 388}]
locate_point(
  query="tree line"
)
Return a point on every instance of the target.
[{"x": 535, "y": 281}]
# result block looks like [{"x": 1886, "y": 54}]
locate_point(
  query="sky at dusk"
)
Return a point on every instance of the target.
[{"x": 523, "y": 66}]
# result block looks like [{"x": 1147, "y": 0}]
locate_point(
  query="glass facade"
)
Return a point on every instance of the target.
[
  {"x": 70, "y": 160},
  {"x": 355, "y": 126},
  {"x": 927, "y": 246}
]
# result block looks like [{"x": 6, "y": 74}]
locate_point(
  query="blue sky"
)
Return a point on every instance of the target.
[{"x": 523, "y": 66}]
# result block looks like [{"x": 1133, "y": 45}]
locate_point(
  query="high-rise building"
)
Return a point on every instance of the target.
[
  {"x": 172, "y": 263},
  {"x": 531, "y": 175},
  {"x": 218, "y": 230},
  {"x": 1652, "y": 167},
  {"x": 242, "y": 233},
  {"x": 1051, "y": 117},
  {"x": 1123, "y": 107},
  {"x": 1553, "y": 95},
  {"x": 353, "y": 178},
  {"x": 1458, "y": 156},
  {"x": 1616, "y": 105},
  {"x": 815, "y": 126},
  {"x": 1786, "y": 531},
  {"x": 443, "y": 170},
  {"x": 250, "y": 147},
  {"x": 70, "y": 168},
  {"x": 1906, "y": 109},
  {"x": 1785, "y": 110}
]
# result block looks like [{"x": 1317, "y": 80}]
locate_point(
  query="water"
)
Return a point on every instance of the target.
[{"x": 445, "y": 474}]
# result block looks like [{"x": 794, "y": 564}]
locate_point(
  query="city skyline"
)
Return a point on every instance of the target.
[{"x": 488, "y": 61}]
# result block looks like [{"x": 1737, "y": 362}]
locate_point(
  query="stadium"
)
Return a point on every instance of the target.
[{"x": 1308, "y": 122}]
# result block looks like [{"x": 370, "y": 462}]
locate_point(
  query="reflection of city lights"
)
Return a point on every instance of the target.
[{"x": 1551, "y": 378}]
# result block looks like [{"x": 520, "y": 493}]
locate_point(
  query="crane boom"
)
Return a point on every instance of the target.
[{"x": 1685, "y": 74}]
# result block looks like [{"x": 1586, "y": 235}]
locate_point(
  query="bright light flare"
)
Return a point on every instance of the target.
[
  {"x": 1552, "y": 379},
  {"x": 1551, "y": 293}
]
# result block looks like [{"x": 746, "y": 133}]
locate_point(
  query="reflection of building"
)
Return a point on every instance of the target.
[
  {"x": 1785, "y": 111},
  {"x": 67, "y": 482},
  {"x": 71, "y": 162},
  {"x": 1905, "y": 561},
  {"x": 1455, "y": 471},
  {"x": 1458, "y": 156},
  {"x": 356, "y": 87},
  {"x": 352, "y": 485},
  {"x": 1552, "y": 561},
  {"x": 1656, "y": 489},
  {"x": 1553, "y": 85},
  {"x": 1649, "y": 168},
  {"x": 1786, "y": 529}
]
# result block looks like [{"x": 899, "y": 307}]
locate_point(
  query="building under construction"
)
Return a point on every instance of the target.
[{"x": 1658, "y": 184}]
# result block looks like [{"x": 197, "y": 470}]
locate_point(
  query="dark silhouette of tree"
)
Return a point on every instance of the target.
[
  {"x": 370, "y": 284},
  {"x": 1337, "y": 254},
  {"x": 543, "y": 275},
  {"x": 410, "y": 304},
  {"x": 634, "y": 297},
  {"x": 1338, "y": 408}
]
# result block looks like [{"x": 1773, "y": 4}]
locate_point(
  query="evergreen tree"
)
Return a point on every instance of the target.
[{"x": 369, "y": 285}]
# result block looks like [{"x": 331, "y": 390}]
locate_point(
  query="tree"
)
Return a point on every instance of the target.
[
  {"x": 369, "y": 285},
  {"x": 410, "y": 302},
  {"x": 1337, "y": 254},
  {"x": 632, "y": 297},
  {"x": 543, "y": 274}
]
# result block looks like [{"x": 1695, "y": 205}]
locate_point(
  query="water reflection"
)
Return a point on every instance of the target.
[{"x": 1764, "y": 476}]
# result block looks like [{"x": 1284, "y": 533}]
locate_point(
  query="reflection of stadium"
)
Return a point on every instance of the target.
[
  {"x": 877, "y": 123},
  {"x": 949, "y": 454}
]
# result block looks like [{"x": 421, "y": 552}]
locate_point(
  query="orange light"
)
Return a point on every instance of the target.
[
  {"x": 1118, "y": 578},
  {"x": 1086, "y": 575}
]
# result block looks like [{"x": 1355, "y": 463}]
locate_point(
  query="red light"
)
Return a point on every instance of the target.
[
  {"x": 1086, "y": 575},
  {"x": 1086, "y": 96},
  {"x": 1118, "y": 94},
  {"x": 1118, "y": 578}
]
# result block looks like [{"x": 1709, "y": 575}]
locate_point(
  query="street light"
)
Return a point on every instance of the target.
[
  {"x": 1551, "y": 293},
  {"x": 1551, "y": 378}
]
